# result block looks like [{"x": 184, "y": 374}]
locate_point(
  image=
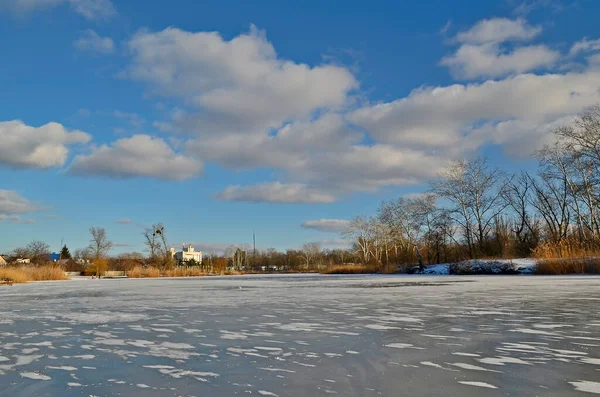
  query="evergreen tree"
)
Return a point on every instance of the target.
[{"x": 64, "y": 253}]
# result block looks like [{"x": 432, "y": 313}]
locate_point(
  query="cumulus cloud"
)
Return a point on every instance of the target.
[
  {"x": 276, "y": 192},
  {"x": 138, "y": 156},
  {"x": 327, "y": 225},
  {"x": 448, "y": 117},
  {"x": 91, "y": 41},
  {"x": 490, "y": 60},
  {"x": 12, "y": 204},
  {"x": 244, "y": 108},
  {"x": 483, "y": 54},
  {"x": 89, "y": 9},
  {"x": 498, "y": 30},
  {"x": 237, "y": 86},
  {"x": 585, "y": 45},
  {"x": 293, "y": 146},
  {"x": 47, "y": 146}
]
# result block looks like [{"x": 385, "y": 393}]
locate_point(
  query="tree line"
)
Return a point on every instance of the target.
[{"x": 472, "y": 210}]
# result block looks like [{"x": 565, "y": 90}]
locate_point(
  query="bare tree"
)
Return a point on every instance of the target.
[
  {"x": 38, "y": 252},
  {"x": 360, "y": 232},
  {"x": 310, "y": 253},
  {"x": 476, "y": 194},
  {"x": 156, "y": 240},
  {"x": 238, "y": 256},
  {"x": 100, "y": 245},
  {"x": 21, "y": 253},
  {"x": 519, "y": 194},
  {"x": 552, "y": 203}
]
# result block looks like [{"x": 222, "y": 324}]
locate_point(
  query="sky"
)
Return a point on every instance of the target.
[{"x": 286, "y": 119}]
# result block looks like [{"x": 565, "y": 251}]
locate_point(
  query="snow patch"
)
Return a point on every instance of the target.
[{"x": 478, "y": 384}]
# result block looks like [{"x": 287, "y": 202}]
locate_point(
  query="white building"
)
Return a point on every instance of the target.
[
  {"x": 2, "y": 261},
  {"x": 186, "y": 254}
]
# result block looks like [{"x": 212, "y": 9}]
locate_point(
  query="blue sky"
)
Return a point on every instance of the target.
[{"x": 220, "y": 118}]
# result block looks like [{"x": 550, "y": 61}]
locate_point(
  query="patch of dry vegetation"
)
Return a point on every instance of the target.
[
  {"x": 566, "y": 257},
  {"x": 351, "y": 269},
  {"x": 143, "y": 272},
  {"x": 24, "y": 274},
  {"x": 153, "y": 272},
  {"x": 588, "y": 265}
]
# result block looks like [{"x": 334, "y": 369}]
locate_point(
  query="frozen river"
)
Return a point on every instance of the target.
[{"x": 302, "y": 336}]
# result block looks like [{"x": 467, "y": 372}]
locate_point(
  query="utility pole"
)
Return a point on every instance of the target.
[{"x": 61, "y": 247}]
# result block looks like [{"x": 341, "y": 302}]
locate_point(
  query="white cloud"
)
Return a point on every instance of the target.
[
  {"x": 36, "y": 147},
  {"x": 498, "y": 30},
  {"x": 18, "y": 219},
  {"x": 489, "y": 60},
  {"x": 276, "y": 192},
  {"x": 12, "y": 203},
  {"x": 89, "y": 9},
  {"x": 91, "y": 41},
  {"x": 318, "y": 149},
  {"x": 238, "y": 86},
  {"x": 447, "y": 118},
  {"x": 94, "y": 9},
  {"x": 585, "y": 45},
  {"x": 528, "y": 6},
  {"x": 138, "y": 156},
  {"x": 293, "y": 146},
  {"x": 327, "y": 225},
  {"x": 482, "y": 53}
]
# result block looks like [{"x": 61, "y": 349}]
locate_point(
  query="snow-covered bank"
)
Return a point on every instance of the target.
[{"x": 484, "y": 266}]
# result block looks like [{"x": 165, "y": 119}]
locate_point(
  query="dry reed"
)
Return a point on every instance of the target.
[{"x": 24, "y": 274}]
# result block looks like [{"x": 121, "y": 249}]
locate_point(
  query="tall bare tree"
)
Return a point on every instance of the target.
[
  {"x": 360, "y": 231},
  {"x": 475, "y": 192},
  {"x": 310, "y": 252},
  {"x": 100, "y": 245},
  {"x": 155, "y": 238}
]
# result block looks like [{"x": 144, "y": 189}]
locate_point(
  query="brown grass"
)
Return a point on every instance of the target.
[
  {"x": 589, "y": 265},
  {"x": 143, "y": 272},
  {"x": 567, "y": 248},
  {"x": 350, "y": 269},
  {"x": 25, "y": 274},
  {"x": 153, "y": 272},
  {"x": 184, "y": 272}
]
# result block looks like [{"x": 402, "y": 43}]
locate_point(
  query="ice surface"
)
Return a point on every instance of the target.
[{"x": 302, "y": 335}]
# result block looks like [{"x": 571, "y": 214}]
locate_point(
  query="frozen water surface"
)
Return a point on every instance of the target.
[{"x": 302, "y": 335}]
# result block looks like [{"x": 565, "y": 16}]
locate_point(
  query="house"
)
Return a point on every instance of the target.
[
  {"x": 2, "y": 261},
  {"x": 23, "y": 260},
  {"x": 186, "y": 254}
]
